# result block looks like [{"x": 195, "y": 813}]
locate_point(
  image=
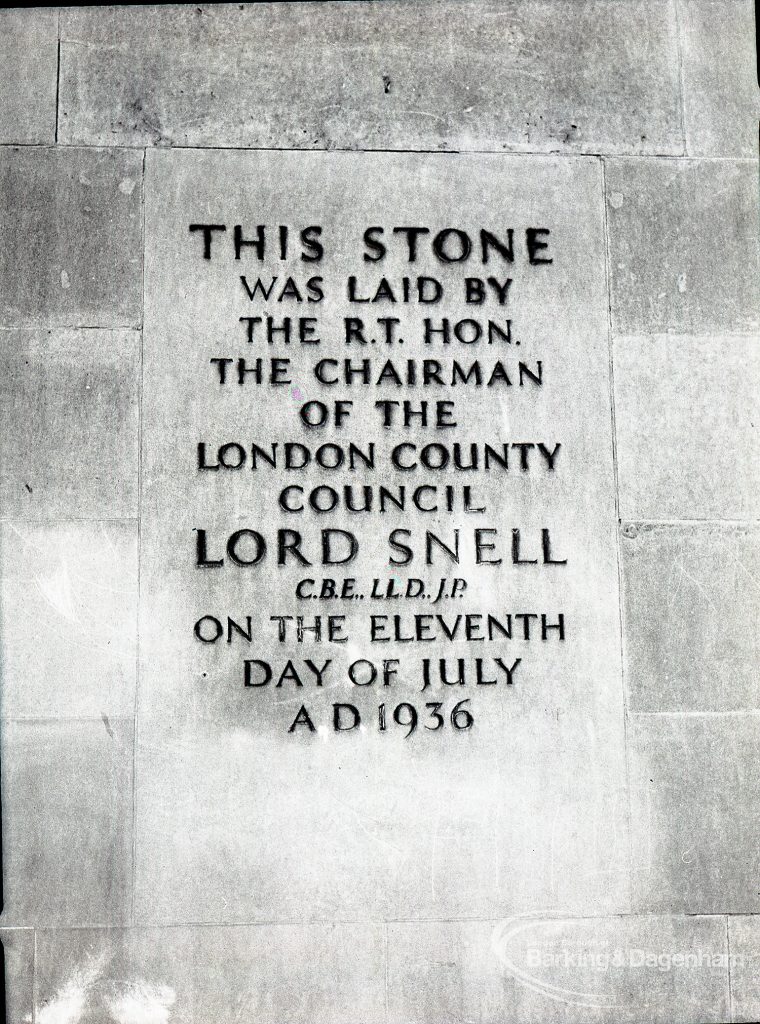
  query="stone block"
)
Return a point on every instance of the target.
[
  {"x": 67, "y": 822},
  {"x": 686, "y": 415},
  {"x": 694, "y": 790},
  {"x": 28, "y": 91},
  {"x": 683, "y": 246},
  {"x": 721, "y": 102},
  {"x": 454, "y": 823},
  {"x": 68, "y": 619},
  {"x": 71, "y": 223},
  {"x": 440, "y": 76},
  {"x": 744, "y": 946},
  {"x": 69, "y": 422},
  {"x": 18, "y": 948},
  {"x": 690, "y": 603}
]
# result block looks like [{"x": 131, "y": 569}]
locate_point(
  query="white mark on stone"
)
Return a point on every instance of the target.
[
  {"x": 697, "y": 584},
  {"x": 616, "y": 200},
  {"x": 744, "y": 568},
  {"x": 682, "y": 283},
  {"x": 67, "y": 1005},
  {"x": 127, "y": 186},
  {"x": 57, "y": 590},
  {"x": 84, "y": 180},
  {"x": 142, "y": 1003},
  {"x": 65, "y": 282}
]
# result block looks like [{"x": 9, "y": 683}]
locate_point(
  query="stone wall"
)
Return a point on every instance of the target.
[{"x": 648, "y": 110}]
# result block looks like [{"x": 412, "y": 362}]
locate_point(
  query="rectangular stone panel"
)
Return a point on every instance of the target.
[
  {"x": 54, "y": 463},
  {"x": 686, "y": 415},
  {"x": 528, "y": 807},
  {"x": 721, "y": 100},
  {"x": 694, "y": 793},
  {"x": 18, "y": 947},
  {"x": 28, "y": 90},
  {"x": 744, "y": 944},
  {"x": 72, "y": 235},
  {"x": 67, "y": 822},
  {"x": 529, "y": 970},
  {"x": 691, "y": 601},
  {"x": 683, "y": 246},
  {"x": 309, "y": 974},
  {"x": 439, "y": 76},
  {"x": 68, "y": 619}
]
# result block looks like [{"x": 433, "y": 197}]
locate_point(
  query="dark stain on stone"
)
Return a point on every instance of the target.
[
  {"x": 146, "y": 122},
  {"x": 386, "y": 83}
]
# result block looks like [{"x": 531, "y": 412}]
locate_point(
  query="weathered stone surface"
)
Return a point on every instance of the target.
[
  {"x": 69, "y": 424},
  {"x": 686, "y": 417},
  {"x": 18, "y": 946},
  {"x": 67, "y": 822},
  {"x": 683, "y": 246},
  {"x": 525, "y": 809},
  {"x": 691, "y": 601},
  {"x": 68, "y": 619},
  {"x": 547, "y": 76},
  {"x": 744, "y": 945},
  {"x": 237, "y": 822},
  {"x": 531, "y": 971},
  {"x": 71, "y": 228},
  {"x": 29, "y": 59},
  {"x": 694, "y": 795},
  {"x": 721, "y": 101},
  {"x": 331, "y": 974}
]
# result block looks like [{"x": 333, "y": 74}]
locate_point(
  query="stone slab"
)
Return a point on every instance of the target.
[
  {"x": 452, "y": 825},
  {"x": 721, "y": 101},
  {"x": 71, "y": 223},
  {"x": 68, "y": 619},
  {"x": 430, "y": 75},
  {"x": 18, "y": 947},
  {"x": 691, "y": 600},
  {"x": 744, "y": 944},
  {"x": 67, "y": 822},
  {"x": 529, "y": 970},
  {"x": 687, "y": 420},
  {"x": 56, "y": 464},
  {"x": 683, "y": 246},
  {"x": 331, "y": 974},
  {"x": 694, "y": 793},
  {"x": 28, "y": 91}
]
